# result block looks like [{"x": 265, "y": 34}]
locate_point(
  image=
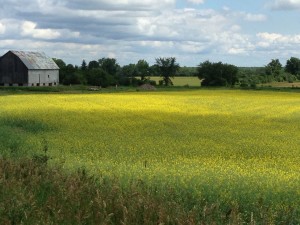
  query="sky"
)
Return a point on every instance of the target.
[{"x": 239, "y": 32}]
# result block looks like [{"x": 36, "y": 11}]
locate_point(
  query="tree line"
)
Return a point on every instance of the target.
[{"x": 107, "y": 72}]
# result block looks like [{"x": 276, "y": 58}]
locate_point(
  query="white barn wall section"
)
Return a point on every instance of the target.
[{"x": 43, "y": 77}]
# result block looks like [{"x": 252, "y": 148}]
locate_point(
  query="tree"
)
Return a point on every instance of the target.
[
  {"x": 93, "y": 65},
  {"x": 60, "y": 63},
  {"x": 109, "y": 65},
  {"x": 127, "y": 75},
  {"x": 83, "y": 65},
  {"x": 187, "y": 71},
  {"x": 167, "y": 68},
  {"x": 142, "y": 69},
  {"x": 217, "y": 74},
  {"x": 293, "y": 66},
  {"x": 62, "y": 69},
  {"x": 274, "y": 68},
  {"x": 128, "y": 70},
  {"x": 99, "y": 77}
]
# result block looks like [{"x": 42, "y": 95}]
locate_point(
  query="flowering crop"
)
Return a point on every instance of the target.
[{"x": 218, "y": 145}]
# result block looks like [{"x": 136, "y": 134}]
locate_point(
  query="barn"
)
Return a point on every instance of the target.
[{"x": 19, "y": 68}]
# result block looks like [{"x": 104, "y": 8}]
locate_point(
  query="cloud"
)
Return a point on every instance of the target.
[
  {"x": 2, "y": 28},
  {"x": 255, "y": 17},
  {"x": 196, "y": 1},
  {"x": 276, "y": 40},
  {"x": 127, "y": 5},
  {"x": 139, "y": 29},
  {"x": 132, "y": 29},
  {"x": 285, "y": 5},
  {"x": 275, "y": 45},
  {"x": 29, "y": 29}
]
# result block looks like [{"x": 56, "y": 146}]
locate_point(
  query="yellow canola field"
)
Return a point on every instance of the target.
[{"x": 216, "y": 144}]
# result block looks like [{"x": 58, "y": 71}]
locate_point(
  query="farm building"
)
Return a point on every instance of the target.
[{"x": 18, "y": 68}]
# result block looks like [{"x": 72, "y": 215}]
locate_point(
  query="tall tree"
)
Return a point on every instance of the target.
[
  {"x": 128, "y": 70},
  {"x": 60, "y": 63},
  {"x": 167, "y": 68},
  {"x": 62, "y": 69},
  {"x": 293, "y": 66},
  {"x": 109, "y": 65},
  {"x": 274, "y": 68},
  {"x": 93, "y": 65},
  {"x": 99, "y": 77},
  {"x": 83, "y": 65},
  {"x": 217, "y": 74},
  {"x": 142, "y": 69}
]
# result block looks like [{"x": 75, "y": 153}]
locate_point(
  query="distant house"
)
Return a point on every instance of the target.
[{"x": 18, "y": 68}]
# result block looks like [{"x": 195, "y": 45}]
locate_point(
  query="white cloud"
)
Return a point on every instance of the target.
[
  {"x": 255, "y": 17},
  {"x": 128, "y": 5},
  {"x": 275, "y": 45},
  {"x": 196, "y": 1},
  {"x": 138, "y": 33},
  {"x": 134, "y": 29},
  {"x": 29, "y": 29},
  {"x": 285, "y": 4},
  {"x": 2, "y": 28},
  {"x": 271, "y": 39}
]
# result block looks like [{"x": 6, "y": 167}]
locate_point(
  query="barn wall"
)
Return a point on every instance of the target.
[
  {"x": 12, "y": 70},
  {"x": 43, "y": 77}
]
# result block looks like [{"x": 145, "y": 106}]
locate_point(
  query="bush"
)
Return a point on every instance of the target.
[
  {"x": 98, "y": 77},
  {"x": 152, "y": 82}
]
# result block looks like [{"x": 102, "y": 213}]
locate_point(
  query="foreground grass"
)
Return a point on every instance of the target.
[
  {"x": 31, "y": 193},
  {"x": 34, "y": 194},
  {"x": 229, "y": 149}
]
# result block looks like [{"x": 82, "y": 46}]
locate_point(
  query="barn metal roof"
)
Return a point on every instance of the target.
[{"x": 36, "y": 60}]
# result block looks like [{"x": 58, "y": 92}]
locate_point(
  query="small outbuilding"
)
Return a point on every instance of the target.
[{"x": 19, "y": 68}]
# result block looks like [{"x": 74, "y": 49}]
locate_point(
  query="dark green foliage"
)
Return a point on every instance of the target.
[
  {"x": 210, "y": 74},
  {"x": 99, "y": 77},
  {"x": 83, "y": 65},
  {"x": 187, "y": 72},
  {"x": 151, "y": 82},
  {"x": 109, "y": 65},
  {"x": 60, "y": 63},
  {"x": 274, "y": 68},
  {"x": 217, "y": 74},
  {"x": 142, "y": 69},
  {"x": 69, "y": 74},
  {"x": 293, "y": 66},
  {"x": 25, "y": 124},
  {"x": 44, "y": 157},
  {"x": 167, "y": 68},
  {"x": 128, "y": 71},
  {"x": 93, "y": 65},
  {"x": 77, "y": 77}
]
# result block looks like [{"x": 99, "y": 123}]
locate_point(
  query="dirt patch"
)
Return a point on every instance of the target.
[{"x": 146, "y": 87}]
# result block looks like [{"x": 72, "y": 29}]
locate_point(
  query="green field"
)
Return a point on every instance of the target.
[
  {"x": 283, "y": 84},
  {"x": 181, "y": 81},
  {"x": 224, "y": 147}
]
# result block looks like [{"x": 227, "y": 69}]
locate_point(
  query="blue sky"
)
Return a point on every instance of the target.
[{"x": 240, "y": 32}]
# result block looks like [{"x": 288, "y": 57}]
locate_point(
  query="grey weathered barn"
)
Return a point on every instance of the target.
[{"x": 19, "y": 68}]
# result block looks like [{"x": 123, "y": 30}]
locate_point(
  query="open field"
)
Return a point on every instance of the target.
[
  {"x": 223, "y": 147},
  {"x": 181, "y": 81},
  {"x": 283, "y": 84}
]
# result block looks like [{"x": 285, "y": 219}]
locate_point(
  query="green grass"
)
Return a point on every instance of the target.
[
  {"x": 181, "y": 81},
  {"x": 32, "y": 193},
  {"x": 234, "y": 151},
  {"x": 282, "y": 84}
]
